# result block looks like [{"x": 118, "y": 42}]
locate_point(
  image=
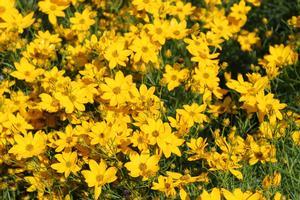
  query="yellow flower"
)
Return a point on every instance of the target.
[
  {"x": 144, "y": 49},
  {"x": 36, "y": 183},
  {"x": 239, "y": 11},
  {"x": 255, "y": 2},
  {"x": 161, "y": 134},
  {"x": 260, "y": 151},
  {"x": 147, "y": 5},
  {"x": 269, "y": 106},
  {"x": 166, "y": 185},
  {"x": 142, "y": 165},
  {"x": 173, "y": 77},
  {"x": 238, "y": 194},
  {"x": 14, "y": 21},
  {"x": 82, "y": 21},
  {"x": 296, "y": 137},
  {"x": 67, "y": 139},
  {"x": 247, "y": 40},
  {"x": 193, "y": 113},
  {"x": 197, "y": 147},
  {"x": 214, "y": 195},
  {"x": 154, "y": 129},
  {"x": 67, "y": 163},
  {"x": 28, "y": 145},
  {"x": 116, "y": 91},
  {"x": 17, "y": 124},
  {"x": 272, "y": 180},
  {"x": 206, "y": 80},
  {"x": 52, "y": 9},
  {"x": 169, "y": 142},
  {"x": 6, "y": 6},
  {"x": 158, "y": 30},
  {"x": 201, "y": 54},
  {"x": 177, "y": 30},
  {"x": 99, "y": 134},
  {"x": 99, "y": 175},
  {"x": 140, "y": 140},
  {"x": 182, "y": 9},
  {"x": 74, "y": 98},
  {"x": 48, "y": 103},
  {"x": 116, "y": 54},
  {"x": 26, "y": 71},
  {"x": 280, "y": 56}
]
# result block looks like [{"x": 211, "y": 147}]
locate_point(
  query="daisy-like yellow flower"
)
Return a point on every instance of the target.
[
  {"x": 161, "y": 134},
  {"x": 116, "y": 91},
  {"x": 140, "y": 140},
  {"x": 99, "y": 175},
  {"x": 165, "y": 185},
  {"x": 272, "y": 180},
  {"x": 247, "y": 40},
  {"x": 48, "y": 103},
  {"x": 6, "y": 6},
  {"x": 296, "y": 137},
  {"x": 158, "y": 30},
  {"x": 67, "y": 163},
  {"x": 99, "y": 133},
  {"x": 74, "y": 97},
  {"x": 26, "y": 71},
  {"x": 17, "y": 124},
  {"x": 28, "y": 145},
  {"x": 239, "y": 11},
  {"x": 207, "y": 81},
  {"x": 221, "y": 27},
  {"x": 197, "y": 148},
  {"x": 116, "y": 54},
  {"x": 148, "y": 5},
  {"x": 182, "y": 9},
  {"x": 173, "y": 77},
  {"x": 14, "y": 21},
  {"x": 280, "y": 56},
  {"x": 82, "y": 21},
  {"x": 144, "y": 49},
  {"x": 66, "y": 140},
  {"x": 238, "y": 194},
  {"x": 215, "y": 194},
  {"x": 193, "y": 113},
  {"x": 177, "y": 30},
  {"x": 53, "y": 10},
  {"x": 269, "y": 106},
  {"x": 154, "y": 129},
  {"x": 201, "y": 54},
  {"x": 142, "y": 165}
]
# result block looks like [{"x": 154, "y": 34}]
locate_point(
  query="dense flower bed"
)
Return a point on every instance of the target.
[{"x": 149, "y": 99}]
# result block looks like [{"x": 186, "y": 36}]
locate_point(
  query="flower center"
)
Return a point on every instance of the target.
[
  {"x": 68, "y": 164},
  {"x": 177, "y": 32},
  {"x": 174, "y": 77},
  {"x": 155, "y": 133},
  {"x": 142, "y": 166},
  {"x": 69, "y": 140},
  {"x": 145, "y": 49},
  {"x": 81, "y": 21},
  {"x": 140, "y": 139},
  {"x": 206, "y": 75},
  {"x": 158, "y": 30},
  {"x": 29, "y": 147},
  {"x": 53, "y": 7},
  {"x": 99, "y": 178},
  {"x": 2, "y": 9},
  {"x": 115, "y": 54},
  {"x": 117, "y": 90}
]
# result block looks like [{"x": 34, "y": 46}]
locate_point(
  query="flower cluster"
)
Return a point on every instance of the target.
[{"x": 106, "y": 99}]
